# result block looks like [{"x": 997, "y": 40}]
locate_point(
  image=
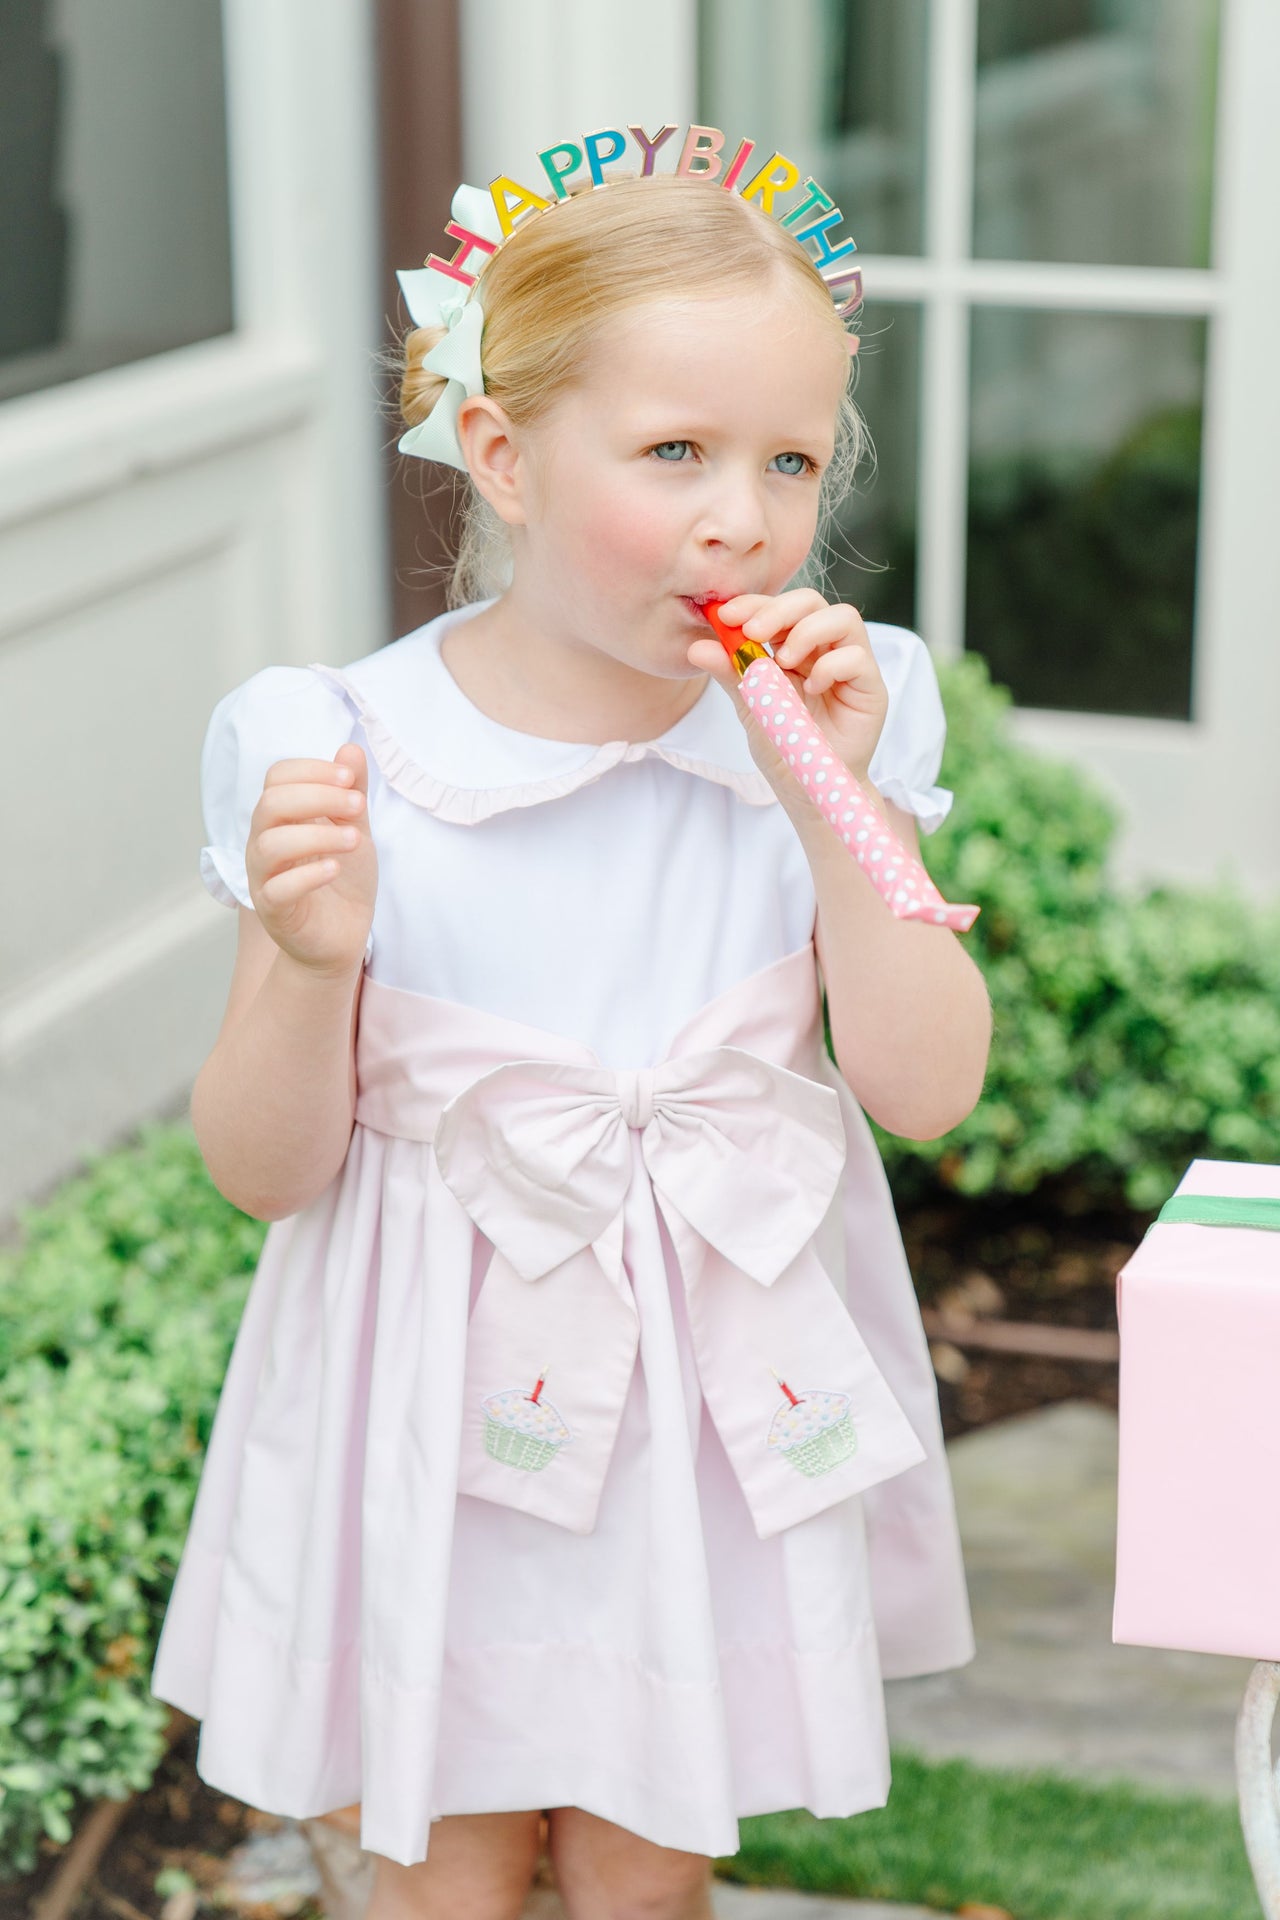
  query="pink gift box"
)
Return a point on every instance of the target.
[{"x": 1197, "y": 1539}]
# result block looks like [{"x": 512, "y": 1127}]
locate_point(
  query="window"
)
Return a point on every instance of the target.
[
  {"x": 114, "y": 229},
  {"x": 1030, "y": 189}
]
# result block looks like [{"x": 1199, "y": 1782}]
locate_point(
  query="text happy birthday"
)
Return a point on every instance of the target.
[{"x": 811, "y": 219}]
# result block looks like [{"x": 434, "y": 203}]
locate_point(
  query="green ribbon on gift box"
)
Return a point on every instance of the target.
[{"x": 1217, "y": 1210}]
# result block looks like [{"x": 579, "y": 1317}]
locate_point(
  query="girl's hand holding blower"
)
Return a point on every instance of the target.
[
  {"x": 311, "y": 863},
  {"x": 814, "y": 710}
]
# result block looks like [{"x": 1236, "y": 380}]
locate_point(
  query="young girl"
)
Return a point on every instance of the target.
[{"x": 579, "y": 1453}]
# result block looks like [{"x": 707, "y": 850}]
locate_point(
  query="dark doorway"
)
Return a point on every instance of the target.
[{"x": 420, "y": 139}]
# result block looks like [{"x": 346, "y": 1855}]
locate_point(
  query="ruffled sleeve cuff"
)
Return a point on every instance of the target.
[
  {"x": 908, "y": 756},
  {"x": 930, "y": 805},
  {"x": 223, "y": 873},
  {"x": 279, "y": 713}
]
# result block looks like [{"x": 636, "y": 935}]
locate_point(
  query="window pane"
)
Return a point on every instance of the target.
[
  {"x": 837, "y": 84},
  {"x": 872, "y": 565},
  {"x": 1084, "y": 493},
  {"x": 114, "y": 233},
  {"x": 1095, "y": 127}
]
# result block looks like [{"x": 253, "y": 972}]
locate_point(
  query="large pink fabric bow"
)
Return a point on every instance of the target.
[{"x": 560, "y": 1166}]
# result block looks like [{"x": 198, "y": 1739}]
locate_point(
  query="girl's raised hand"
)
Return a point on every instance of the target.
[
  {"x": 311, "y": 862},
  {"x": 826, "y": 655}
]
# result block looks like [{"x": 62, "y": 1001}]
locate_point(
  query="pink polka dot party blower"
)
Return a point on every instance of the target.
[{"x": 896, "y": 875}]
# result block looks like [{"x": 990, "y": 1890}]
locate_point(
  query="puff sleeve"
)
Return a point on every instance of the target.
[
  {"x": 279, "y": 713},
  {"x": 908, "y": 755}
]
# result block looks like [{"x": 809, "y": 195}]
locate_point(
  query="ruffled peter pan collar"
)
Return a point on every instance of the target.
[{"x": 435, "y": 747}]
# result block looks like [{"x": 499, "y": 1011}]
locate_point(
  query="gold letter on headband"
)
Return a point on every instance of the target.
[
  {"x": 778, "y": 175},
  {"x": 524, "y": 198},
  {"x": 815, "y": 197},
  {"x": 647, "y": 146},
  {"x": 558, "y": 175},
  {"x": 454, "y": 267},
  {"x": 838, "y": 283},
  {"x": 596, "y": 159},
  {"x": 827, "y": 254},
  {"x": 745, "y": 150},
  {"x": 702, "y": 144}
]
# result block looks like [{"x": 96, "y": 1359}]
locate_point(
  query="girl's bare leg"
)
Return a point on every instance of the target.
[
  {"x": 479, "y": 1866},
  {"x": 347, "y": 1819},
  {"x": 605, "y": 1872},
  {"x": 346, "y": 1871}
]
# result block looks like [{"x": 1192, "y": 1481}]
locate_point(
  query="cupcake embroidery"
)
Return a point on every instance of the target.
[
  {"x": 522, "y": 1429},
  {"x": 814, "y": 1432}
]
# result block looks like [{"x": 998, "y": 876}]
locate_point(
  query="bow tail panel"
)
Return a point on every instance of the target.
[
  {"x": 804, "y": 1413},
  {"x": 549, "y": 1362}
]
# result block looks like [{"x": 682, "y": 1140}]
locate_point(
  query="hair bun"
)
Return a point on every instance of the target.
[{"x": 419, "y": 387}]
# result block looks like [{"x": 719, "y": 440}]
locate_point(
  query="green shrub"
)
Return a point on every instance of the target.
[
  {"x": 117, "y": 1316},
  {"x": 1131, "y": 1034},
  {"x": 1184, "y": 1057},
  {"x": 1122, "y": 531}
]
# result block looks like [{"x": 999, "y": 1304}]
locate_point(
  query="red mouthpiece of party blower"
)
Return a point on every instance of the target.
[{"x": 897, "y": 875}]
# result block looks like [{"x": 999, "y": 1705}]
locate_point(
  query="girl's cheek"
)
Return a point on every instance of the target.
[{"x": 617, "y": 529}]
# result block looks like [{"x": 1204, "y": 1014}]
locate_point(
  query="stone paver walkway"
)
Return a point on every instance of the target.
[
  {"x": 1036, "y": 1497},
  {"x": 767, "y": 1903},
  {"x": 762, "y": 1903}
]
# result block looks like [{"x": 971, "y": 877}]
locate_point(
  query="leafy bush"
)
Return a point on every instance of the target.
[
  {"x": 1123, "y": 532},
  {"x": 117, "y": 1316},
  {"x": 1131, "y": 1034},
  {"x": 1121, "y": 529},
  {"x": 1184, "y": 1059}
]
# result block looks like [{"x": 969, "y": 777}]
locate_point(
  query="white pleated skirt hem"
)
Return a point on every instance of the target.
[{"x": 536, "y": 1726}]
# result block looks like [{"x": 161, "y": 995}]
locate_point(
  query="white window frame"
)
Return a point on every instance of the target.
[{"x": 1200, "y": 798}]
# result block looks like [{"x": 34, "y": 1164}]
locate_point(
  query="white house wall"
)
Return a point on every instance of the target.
[
  {"x": 534, "y": 71},
  {"x": 165, "y": 529}
]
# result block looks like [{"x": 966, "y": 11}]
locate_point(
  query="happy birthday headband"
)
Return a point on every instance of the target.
[{"x": 438, "y": 294}]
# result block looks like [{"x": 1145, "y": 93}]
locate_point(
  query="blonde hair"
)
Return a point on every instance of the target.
[{"x": 564, "y": 273}]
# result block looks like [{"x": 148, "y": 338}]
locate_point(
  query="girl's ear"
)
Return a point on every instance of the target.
[{"x": 495, "y": 462}]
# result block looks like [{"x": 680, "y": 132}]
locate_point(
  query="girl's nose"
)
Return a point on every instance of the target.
[{"x": 735, "y": 519}]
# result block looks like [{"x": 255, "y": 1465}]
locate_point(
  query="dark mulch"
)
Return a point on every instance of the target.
[
  {"x": 179, "y": 1822},
  {"x": 997, "y": 1263},
  {"x": 1011, "y": 1263}
]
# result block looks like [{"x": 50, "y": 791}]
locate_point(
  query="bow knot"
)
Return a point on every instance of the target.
[
  {"x": 561, "y": 1167},
  {"x": 635, "y": 1096},
  {"x": 538, "y": 1153}
]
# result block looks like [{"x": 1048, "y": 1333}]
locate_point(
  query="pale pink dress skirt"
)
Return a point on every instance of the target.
[{"x": 350, "y": 1627}]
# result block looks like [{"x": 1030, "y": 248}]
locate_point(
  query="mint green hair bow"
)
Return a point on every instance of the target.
[{"x": 435, "y": 299}]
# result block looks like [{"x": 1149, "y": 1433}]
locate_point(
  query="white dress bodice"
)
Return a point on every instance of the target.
[{"x": 665, "y": 871}]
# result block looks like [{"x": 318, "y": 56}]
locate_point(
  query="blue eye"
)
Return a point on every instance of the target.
[{"x": 673, "y": 451}]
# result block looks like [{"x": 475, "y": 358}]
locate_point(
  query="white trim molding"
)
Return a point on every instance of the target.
[{"x": 166, "y": 528}]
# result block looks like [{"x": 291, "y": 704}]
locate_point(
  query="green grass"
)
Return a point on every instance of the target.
[{"x": 1042, "y": 1847}]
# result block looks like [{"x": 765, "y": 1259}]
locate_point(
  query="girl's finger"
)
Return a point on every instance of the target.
[
  {"x": 851, "y": 665},
  {"x": 292, "y": 801},
  {"x": 741, "y": 607},
  {"x": 783, "y": 611},
  {"x": 283, "y": 888},
  {"x": 831, "y": 627},
  {"x": 286, "y": 772},
  {"x": 280, "y": 846},
  {"x": 709, "y": 657}
]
